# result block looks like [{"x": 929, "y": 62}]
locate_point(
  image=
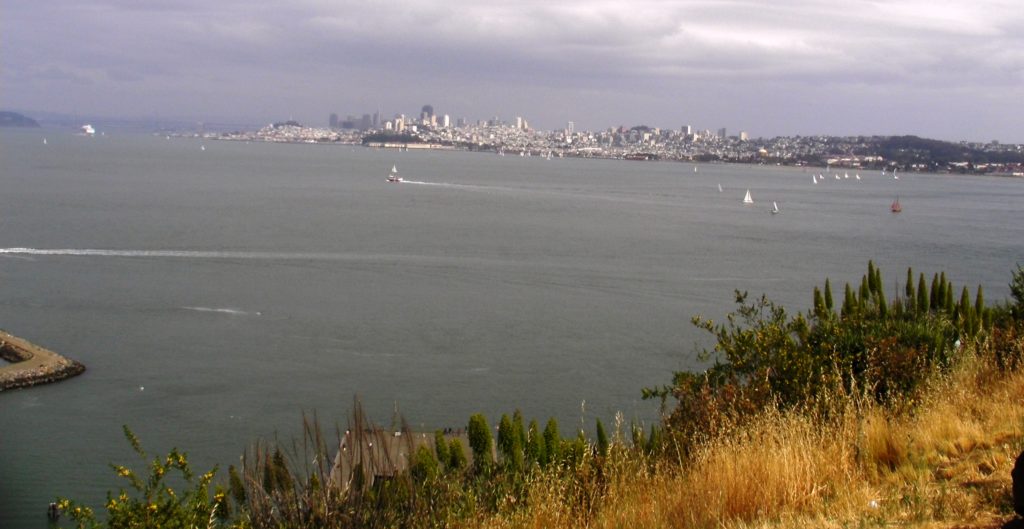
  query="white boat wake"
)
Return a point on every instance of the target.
[
  {"x": 190, "y": 254},
  {"x": 234, "y": 312},
  {"x": 443, "y": 184}
]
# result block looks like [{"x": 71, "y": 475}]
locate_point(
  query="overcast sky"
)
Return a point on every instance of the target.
[{"x": 951, "y": 70}]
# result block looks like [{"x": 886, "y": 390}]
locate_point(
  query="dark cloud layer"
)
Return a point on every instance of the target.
[{"x": 951, "y": 70}]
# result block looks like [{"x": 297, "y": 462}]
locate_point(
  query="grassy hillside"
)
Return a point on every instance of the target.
[{"x": 867, "y": 413}]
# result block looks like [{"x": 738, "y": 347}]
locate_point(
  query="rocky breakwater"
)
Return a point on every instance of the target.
[{"x": 31, "y": 364}]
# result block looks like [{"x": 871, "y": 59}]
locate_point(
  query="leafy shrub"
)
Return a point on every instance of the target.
[{"x": 152, "y": 502}]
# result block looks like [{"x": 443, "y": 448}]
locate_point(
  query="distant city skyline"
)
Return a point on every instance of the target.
[{"x": 952, "y": 70}]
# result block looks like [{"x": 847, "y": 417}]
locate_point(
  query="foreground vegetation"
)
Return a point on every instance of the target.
[{"x": 877, "y": 412}]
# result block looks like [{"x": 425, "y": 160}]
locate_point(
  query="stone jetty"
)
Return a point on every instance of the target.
[{"x": 31, "y": 364}]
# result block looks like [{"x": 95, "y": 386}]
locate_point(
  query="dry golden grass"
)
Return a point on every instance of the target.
[{"x": 943, "y": 461}]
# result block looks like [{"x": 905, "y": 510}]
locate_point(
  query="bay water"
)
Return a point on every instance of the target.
[{"x": 217, "y": 294}]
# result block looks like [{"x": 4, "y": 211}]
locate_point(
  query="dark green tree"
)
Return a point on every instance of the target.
[
  {"x": 819, "y": 304},
  {"x": 922, "y": 295},
  {"x": 553, "y": 441},
  {"x": 1017, "y": 292},
  {"x": 423, "y": 465},
  {"x": 535, "y": 449},
  {"x": 828, "y": 295},
  {"x": 518, "y": 429},
  {"x": 236, "y": 486},
  {"x": 441, "y": 447},
  {"x": 456, "y": 455},
  {"x": 602, "y": 439},
  {"x": 509, "y": 445},
  {"x": 480, "y": 441}
]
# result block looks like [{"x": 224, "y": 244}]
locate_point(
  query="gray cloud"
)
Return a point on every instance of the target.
[{"x": 742, "y": 64}]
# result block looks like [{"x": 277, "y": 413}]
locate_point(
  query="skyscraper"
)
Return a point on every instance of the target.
[{"x": 570, "y": 128}]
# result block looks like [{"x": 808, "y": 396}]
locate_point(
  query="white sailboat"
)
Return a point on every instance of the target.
[
  {"x": 719, "y": 188},
  {"x": 775, "y": 207},
  {"x": 44, "y": 141},
  {"x": 894, "y": 175},
  {"x": 857, "y": 176},
  {"x": 747, "y": 199},
  {"x": 695, "y": 168},
  {"x": 393, "y": 177},
  {"x": 814, "y": 178}
]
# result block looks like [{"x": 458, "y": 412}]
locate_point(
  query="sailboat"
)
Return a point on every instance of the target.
[
  {"x": 896, "y": 207},
  {"x": 857, "y": 176},
  {"x": 814, "y": 178},
  {"x": 775, "y": 207},
  {"x": 719, "y": 188},
  {"x": 747, "y": 199},
  {"x": 894, "y": 175},
  {"x": 393, "y": 177},
  {"x": 695, "y": 168}
]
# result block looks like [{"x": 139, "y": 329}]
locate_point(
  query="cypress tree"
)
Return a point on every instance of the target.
[
  {"x": 948, "y": 300},
  {"x": 638, "y": 437},
  {"x": 849, "y": 302},
  {"x": 819, "y": 304},
  {"x": 944, "y": 287},
  {"x": 865, "y": 289},
  {"x": 871, "y": 275},
  {"x": 922, "y": 295},
  {"x": 828, "y": 295},
  {"x": 456, "y": 455},
  {"x": 934, "y": 299},
  {"x": 507, "y": 441},
  {"x": 883, "y": 305},
  {"x": 654, "y": 440},
  {"x": 910, "y": 285},
  {"x": 423, "y": 464},
  {"x": 235, "y": 486},
  {"x": 979, "y": 302},
  {"x": 535, "y": 452},
  {"x": 480, "y": 441},
  {"x": 965, "y": 303},
  {"x": 602, "y": 439},
  {"x": 552, "y": 441},
  {"x": 878, "y": 281},
  {"x": 517, "y": 427},
  {"x": 441, "y": 447}
]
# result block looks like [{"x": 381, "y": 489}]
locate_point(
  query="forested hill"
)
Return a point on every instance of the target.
[
  {"x": 14, "y": 119},
  {"x": 908, "y": 150}
]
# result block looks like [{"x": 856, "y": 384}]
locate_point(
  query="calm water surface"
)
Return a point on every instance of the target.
[{"x": 226, "y": 291}]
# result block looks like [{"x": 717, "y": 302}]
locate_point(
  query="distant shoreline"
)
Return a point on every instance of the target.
[{"x": 32, "y": 364}]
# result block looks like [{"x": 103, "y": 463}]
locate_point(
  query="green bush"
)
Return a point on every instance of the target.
[
  {"x": 152, "y": 502},
  {"x": 765, "y": 357}
]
